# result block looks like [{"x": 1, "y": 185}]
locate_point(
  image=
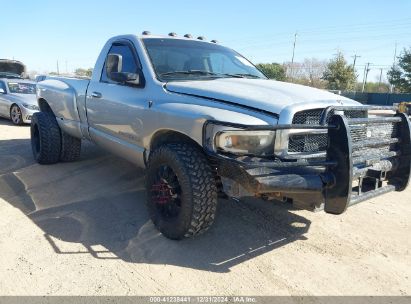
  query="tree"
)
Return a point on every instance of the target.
[
  {"x": 308, "y": 73},
  {"x": 374, "y": 87},
  {"x": 314, "y": 69},
  {"x": 83, "y": 72},
  {"x": 272, "y": 70},
  {"x": 400, "y": 74},
  {"x": 339, "y": 74}
]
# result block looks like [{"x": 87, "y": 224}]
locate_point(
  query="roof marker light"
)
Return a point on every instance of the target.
[
  {"x": 201, "y": 38},
  {"x": 146, "y": 33},
  {"x": 172, "y": 34},
  {"x": 214, "y": 41},
  {"x": 188, "y": 36}
]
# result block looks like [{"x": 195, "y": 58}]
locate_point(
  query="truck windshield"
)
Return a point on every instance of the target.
[
  {"x": 178, "y": 59},
  {"x": 22, "y": 88}
]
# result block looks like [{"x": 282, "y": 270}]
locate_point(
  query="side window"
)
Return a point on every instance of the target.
[
  {"x": 129, "y": 63},
  {"x": 2, "y": 86}
]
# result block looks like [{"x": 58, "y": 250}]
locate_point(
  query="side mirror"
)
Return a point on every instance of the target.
[
  {"x": 2, "y": 91},
  {"x": 134, "y": 79},
  {"x": 114, "y": 64}
]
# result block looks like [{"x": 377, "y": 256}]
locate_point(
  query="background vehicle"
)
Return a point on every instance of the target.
[
  {"x": 40, "y": 78},
  {"x": 203, "y": 120},
  {"x": 12, "y": 69},
  {"x": 18, "y": 100},
  {"x": 404, "y": 107}
]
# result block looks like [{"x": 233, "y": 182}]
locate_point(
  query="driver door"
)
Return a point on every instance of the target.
[{"x": 115, "y": 110}]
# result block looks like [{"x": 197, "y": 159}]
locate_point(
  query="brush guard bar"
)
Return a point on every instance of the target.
[{"x": 353, "y": 168}]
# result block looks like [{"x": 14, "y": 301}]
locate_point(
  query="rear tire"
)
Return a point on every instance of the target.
[
  {"x": 70, "y": 147},
  {"x": 181, "y": 191},
  {"x": 45, "y": 138}
]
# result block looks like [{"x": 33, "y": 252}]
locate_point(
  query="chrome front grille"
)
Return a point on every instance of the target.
[
  {"x": 313, "y": 117},
  {"x": 310, "y": 117},
  {"x": 307, "y": 143},
  {"x": 299, "y": 143}
]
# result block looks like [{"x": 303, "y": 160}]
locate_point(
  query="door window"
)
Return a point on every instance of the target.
[{"x": 129, "y": 63}]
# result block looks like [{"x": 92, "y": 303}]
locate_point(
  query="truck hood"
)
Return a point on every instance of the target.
[
  {"x": 268, "y": 95},
  {"x": 12, "y": 67}
]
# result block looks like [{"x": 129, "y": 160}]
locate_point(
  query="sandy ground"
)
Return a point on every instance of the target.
[{"x": 82, "y": 229}]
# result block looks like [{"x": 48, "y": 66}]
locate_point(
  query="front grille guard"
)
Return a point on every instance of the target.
[{"x": 349, "y": 177}]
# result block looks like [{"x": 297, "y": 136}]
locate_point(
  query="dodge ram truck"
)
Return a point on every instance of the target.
[{"x": 205, "y": 122}]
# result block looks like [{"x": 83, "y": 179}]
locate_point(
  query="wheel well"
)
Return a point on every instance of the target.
[
  {"x": 13, "y": 104},
  {"x": 169, "y": 136},
  {"x": 44, "y": 106}
]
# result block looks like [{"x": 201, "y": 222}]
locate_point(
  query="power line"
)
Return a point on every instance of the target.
[{"x": 332, "y": 29}]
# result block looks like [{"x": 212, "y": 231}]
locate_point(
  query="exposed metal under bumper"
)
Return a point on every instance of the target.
[
  {"x": 290, "y": 183},
  {"x": 355, "y": 198}
]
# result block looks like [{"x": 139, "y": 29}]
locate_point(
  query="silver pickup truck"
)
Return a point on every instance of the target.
[{"x": 205, "y": 122}]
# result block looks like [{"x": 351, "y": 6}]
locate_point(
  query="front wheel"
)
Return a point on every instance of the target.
[
  {"x": 181, "y": 191},
  {"x": 16, "y": 115}
]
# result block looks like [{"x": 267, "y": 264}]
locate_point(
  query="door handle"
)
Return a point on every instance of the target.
[{"x": 96, "y": 95}]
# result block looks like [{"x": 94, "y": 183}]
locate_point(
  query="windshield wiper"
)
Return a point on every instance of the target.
[
  {"x": 201, "y": 72},
  {"x": 207, "y": 73},
  {"x": 245, "y": 75},
  {"x": 189, "y": 72}
]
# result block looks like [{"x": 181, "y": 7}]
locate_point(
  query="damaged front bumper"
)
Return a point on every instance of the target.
[{"x": 365, "y": 157}]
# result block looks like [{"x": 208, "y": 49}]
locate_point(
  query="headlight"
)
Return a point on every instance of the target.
[
  {"x": 227, "y": 139},
  {"x": 246, "y": 142},
  {"x": 31, "y": 107}
]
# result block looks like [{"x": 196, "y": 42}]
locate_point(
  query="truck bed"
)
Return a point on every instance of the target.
[{"x": 67, "y": 97}]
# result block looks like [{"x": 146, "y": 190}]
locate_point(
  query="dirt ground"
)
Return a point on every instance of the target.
[{"x": 82, "y": 229}]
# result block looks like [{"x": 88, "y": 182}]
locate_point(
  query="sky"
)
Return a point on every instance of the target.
[{"x": 40, "y": 33}]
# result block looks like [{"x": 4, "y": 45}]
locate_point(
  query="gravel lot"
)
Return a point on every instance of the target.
[{"x": 82, "y": 229}]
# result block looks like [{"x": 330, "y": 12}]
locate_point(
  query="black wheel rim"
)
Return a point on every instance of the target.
[
  {"x": 166, "y": 193},
  {"x": 35, "y": 139}
]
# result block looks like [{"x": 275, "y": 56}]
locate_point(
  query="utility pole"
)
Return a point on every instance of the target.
[
  {"x": 292, "y": 58},
  {"x": 366, "y": 70},
  {"x": 58, "y": 70},
  {"x": 379, "y": 82},
  {"x": 393, "y": 65},
  {"x": 295, "y": 41},
  {"x": 395, "y": 54},
  {"x": 355, "y": 59}
]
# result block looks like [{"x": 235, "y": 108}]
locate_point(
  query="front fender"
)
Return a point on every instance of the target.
[{"x": 189, "y": 119}]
